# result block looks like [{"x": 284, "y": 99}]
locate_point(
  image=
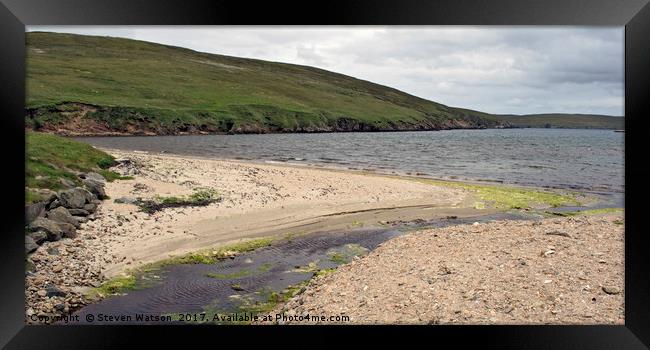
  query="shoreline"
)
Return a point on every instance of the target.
[
  {"x": 204, "y": 133},
  {"x": 389, "y": 173},
  {"x": 259, "y": 200}
]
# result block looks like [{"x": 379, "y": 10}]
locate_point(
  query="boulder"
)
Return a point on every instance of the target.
[
  {"x": 30, "y": 245},
  {"x": 68, "y": 230},
  {"x": 79, "y": 212},
  {"x": 54, "y": 204},
  {"x": 75, "y": 198},
  {"x": 38, "y": 236},
  {"x": 32, "y": 211},
  {"x": 90, "y": 207},
  {"x": 95, "y": 187},
  {"x": 62, "y": 214},
  {"x": 94, "y": 176},
  {"x": 51, "y": 228},
  {"x": 55, "y": 230},
  {"x": 50, "y": 195}
]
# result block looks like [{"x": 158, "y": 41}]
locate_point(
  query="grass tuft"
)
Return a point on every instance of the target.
[
  {"x": 115, "y": 285},
  {"x": 200, "y": 197},
  {"x": 51, "y": 158}
]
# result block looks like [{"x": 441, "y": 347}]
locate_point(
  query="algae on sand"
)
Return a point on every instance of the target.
[
  {"x": 346, "y": 253},
  {"x": 510, "y": 197}
]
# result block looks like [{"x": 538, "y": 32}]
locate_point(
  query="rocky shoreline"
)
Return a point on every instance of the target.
[
  {"x": 60, "y": 266},
  {"x": 81, "y": 119},
  {"x": 53, "y": 254}
]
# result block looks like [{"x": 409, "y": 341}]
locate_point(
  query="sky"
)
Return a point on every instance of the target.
[{"x": 502, "y": 70}]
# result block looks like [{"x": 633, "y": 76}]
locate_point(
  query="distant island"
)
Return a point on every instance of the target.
[{"x": 90, "y": 85}]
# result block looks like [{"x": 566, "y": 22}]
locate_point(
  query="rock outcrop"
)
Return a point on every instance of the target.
[{"x": 61, "y": 214}]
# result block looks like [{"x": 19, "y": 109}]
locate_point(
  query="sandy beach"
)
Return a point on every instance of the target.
[
  {"x": 257, "y": 200},
  {"x": 478, "y": 262}
]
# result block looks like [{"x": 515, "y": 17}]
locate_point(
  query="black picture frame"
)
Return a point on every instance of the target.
[{"x": 633, "y": 14}]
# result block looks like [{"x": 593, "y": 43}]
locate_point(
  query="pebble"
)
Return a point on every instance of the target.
[{"x": 611, "y": 290}]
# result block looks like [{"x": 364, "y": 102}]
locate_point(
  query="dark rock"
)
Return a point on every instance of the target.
[
  {"x": 52, "y": 228},
  {"x": 75, "y": 198},
  {"x": 51, "y": 197},
  {"x": 54, "y": 204},
  {"x": 611, "y": 290},
  {"x": 68, "y": 230},
  {"x": 30, "y": 245},
  {"x": 559, "y": 233},
  {"x": 79, "y": 212},
  {"x": 38, "y": 236},
  {"x": 126, "y": 200},
  {"x": 90, "y": 207},
  {"x": 237, "y": 287},
  {"x": 32, "y": 211},
  {"x": 62, "y": 214},
  {"x": 95, "y": 187},
  {"x": 53, "y": 291},
  {"x": 82, "y": 219},
  {"x": 59, "y": 307}
]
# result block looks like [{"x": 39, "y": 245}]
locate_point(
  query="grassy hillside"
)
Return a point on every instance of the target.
[
  {"x": 51, "y": 158},
  {"x": 97, "y": 85},
  {"x": 567, "y": 121}
]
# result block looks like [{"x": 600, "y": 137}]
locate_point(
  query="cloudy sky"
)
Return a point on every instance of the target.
[{"x": 518, "y": 70}]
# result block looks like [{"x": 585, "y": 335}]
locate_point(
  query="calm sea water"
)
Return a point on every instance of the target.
[{"x": 589, "y": 160}]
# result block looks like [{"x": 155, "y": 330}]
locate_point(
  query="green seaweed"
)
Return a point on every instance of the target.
[
  {"x": 241, "y": 273},
  {"x": 211, "y": 256},
  {"x": 509, "y": 197},
  {"x": 587, "y": 212}
]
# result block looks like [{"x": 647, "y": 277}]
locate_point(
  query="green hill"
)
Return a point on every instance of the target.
[
  {"x": 565, "y": 121},
  {"x": 97, "y": 85},
  {"x": 90, "y": 85}
]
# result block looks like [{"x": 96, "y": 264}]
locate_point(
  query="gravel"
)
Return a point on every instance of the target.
[{"x": 554, "y": 271}]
